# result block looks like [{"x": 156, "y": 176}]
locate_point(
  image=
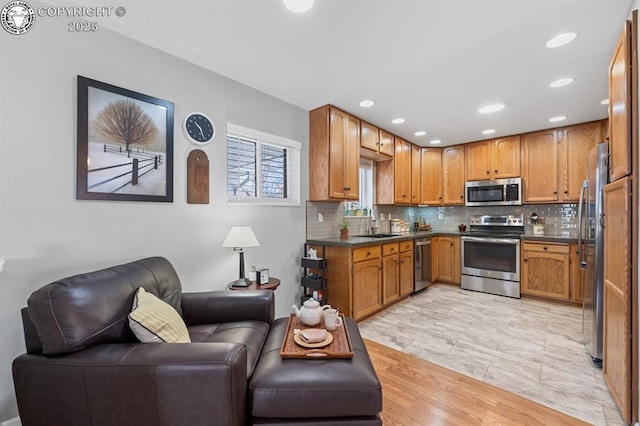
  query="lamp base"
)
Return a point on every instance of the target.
[{"x": 242, "y": 282}]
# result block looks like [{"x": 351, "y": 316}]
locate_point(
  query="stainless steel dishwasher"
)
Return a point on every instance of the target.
[{"x": 422, "y": 272}]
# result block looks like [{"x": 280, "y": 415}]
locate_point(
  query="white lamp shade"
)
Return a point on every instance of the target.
[{"x": 241, "y": 236}]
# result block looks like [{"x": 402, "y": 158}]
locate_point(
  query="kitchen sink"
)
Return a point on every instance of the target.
[{"x": 378, "y": 235}]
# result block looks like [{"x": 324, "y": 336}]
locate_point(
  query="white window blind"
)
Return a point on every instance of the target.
[{"x": 262, "y": 168}]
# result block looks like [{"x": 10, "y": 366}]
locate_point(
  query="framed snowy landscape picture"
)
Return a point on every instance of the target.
[{"x": 125, "y": 144}]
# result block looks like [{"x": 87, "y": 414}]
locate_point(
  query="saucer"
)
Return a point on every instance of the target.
[{"x": 325, "y": 342}]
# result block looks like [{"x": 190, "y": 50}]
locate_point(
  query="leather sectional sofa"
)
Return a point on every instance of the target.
[{"x": 84, "y": 366}]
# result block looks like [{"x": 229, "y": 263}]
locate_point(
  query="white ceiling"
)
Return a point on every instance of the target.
[{"x": 433, "y": 62}]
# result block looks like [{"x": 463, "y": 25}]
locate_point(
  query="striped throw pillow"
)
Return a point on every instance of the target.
[{"x": 155, "y": 321}]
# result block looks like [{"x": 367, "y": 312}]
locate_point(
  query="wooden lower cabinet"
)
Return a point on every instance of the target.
[
  {"x": 361, "y": 281},
  {"x": 617, "y": 352},
  {"x": 390, "y": 273},
  {"x": 545, "y": 270},
  {"x": 366, "y": 288},
  {"x": 406, "y": 270},
  {"x": 576, "y": 275},
  {"x": 445, "y": 263}
]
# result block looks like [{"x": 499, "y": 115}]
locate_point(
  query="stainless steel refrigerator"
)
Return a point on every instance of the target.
[{"x": 590, "y": 248}]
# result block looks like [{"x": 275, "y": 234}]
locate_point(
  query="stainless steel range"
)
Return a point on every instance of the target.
[{"x": 491, "y": 255}]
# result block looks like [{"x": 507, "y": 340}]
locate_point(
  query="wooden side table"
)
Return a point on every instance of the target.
[{"x": 271, "y": 285}]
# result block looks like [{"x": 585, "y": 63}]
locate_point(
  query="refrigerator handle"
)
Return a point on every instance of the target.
[{"x": 585, "y": 185}]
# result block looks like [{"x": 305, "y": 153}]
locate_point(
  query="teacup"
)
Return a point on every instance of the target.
[{"x": 332, "y": 319}]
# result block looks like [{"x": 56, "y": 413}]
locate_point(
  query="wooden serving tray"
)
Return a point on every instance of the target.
[{"x": 339, "y": 348}]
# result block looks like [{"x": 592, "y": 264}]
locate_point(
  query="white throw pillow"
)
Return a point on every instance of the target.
[{"x": 155, "y": 321}]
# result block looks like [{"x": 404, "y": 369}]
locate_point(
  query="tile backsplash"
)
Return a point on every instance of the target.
[{"x": 559, "y": 219}]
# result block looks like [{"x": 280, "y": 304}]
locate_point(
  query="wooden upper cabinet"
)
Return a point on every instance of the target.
[
  {"x": 402, "y": 172},
  {"x": 493, "y": 159},
  {"x": 540, "y": 166},
  {"x": 375, "y": 143},
  {"x": 505, "y": 157},
  {"x": 334, "y": 147},
  {"x": 575, "y": 144},
  {"x": 478, "y": 160},
  {"x": 431, "y": 176},
  {"x": 620, "y": 107},
  {"x": 415, "y": 175},
  {"x": 453, "y": 175},
  {"x": 369, "y": 136},
  {"x": 386, "y": 143}
]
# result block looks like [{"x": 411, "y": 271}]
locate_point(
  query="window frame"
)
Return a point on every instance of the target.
[{"x": 292, "y": 164}]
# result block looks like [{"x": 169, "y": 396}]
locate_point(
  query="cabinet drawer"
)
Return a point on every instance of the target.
[
  {"x": 546, "y": 247},
  {"x": 391, "y": 248},
  {"x": 364, "y": 253},
  {"x": 406, "y": 245}
]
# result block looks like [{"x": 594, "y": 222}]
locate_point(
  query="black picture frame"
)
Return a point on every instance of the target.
[{"x": 125, "y": 144}]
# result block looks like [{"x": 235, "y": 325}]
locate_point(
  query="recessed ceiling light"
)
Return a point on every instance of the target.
[
  {"x": 558, "y": 118},
  {"x": 367, "y": 103},
  {"x": 605, "y": 102},
  {"x": 435, "y": 142},
  {"x": 420, "y": 133},
  {"x": 298, "y": 6},
  {"x": 561, "y": 40},
  {"x": 495, "y": 107},
  {"x": 398, "y": 120},
  {"x": 561, "y": 82},
  {"x": 488, "y": 131}
]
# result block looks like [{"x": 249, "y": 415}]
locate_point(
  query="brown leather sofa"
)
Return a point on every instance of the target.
[{"x": 84, "y": 366}]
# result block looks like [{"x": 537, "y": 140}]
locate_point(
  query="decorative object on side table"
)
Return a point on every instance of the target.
[
  {"x": 538, "y": 224},
  {"x": 262, "y": 276},
  {"x": 240, "y": 237},
  {"x": 123, "y": 159}
]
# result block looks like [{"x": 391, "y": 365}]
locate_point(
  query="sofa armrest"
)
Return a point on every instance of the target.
[
  {"x": 135, "y": 383},
  {"x": 228, "y": 306}
]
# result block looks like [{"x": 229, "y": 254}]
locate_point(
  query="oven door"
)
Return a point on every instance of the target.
[{"x": 497, "y": 258}]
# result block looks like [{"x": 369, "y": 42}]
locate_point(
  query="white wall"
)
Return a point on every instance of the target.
[{"x": 46, "y": 234}]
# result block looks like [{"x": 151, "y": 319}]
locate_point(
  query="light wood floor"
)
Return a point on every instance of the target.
[{"x": 417, "y": 392}]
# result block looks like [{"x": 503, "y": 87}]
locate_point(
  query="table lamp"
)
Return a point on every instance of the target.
[{"x": 240, "y": 237}]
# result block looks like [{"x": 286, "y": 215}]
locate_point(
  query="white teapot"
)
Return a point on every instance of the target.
[{"x": 311, "y": 312}]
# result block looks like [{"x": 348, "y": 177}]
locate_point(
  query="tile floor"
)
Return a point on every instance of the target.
[{"x": 528, "y": 347}]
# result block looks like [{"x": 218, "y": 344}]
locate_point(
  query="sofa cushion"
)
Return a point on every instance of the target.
[
  {"x": 155, "y": 321},
  {"x": 252, "y": 334},
  {"x": 78, "y": 312}
]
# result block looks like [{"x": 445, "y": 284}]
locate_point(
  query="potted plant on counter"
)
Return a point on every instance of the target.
[{"x": 344, "y": 228}]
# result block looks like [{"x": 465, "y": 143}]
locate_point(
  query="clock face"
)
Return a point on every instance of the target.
[{"x": 199, "y": 128}]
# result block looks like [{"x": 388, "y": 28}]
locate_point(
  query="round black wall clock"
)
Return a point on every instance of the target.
[{"x": 199, "y": 128}]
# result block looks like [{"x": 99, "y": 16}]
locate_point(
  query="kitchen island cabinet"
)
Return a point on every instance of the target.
[
  {"x": 334, "y": 150},
  {"x": 362, "y": 280},
  {"x": 390, "y": 273}
]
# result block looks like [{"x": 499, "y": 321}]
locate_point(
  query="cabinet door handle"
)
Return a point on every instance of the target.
[
  {"x": 346, "y": 188},
  {"x": 544, "y": 248},
  {"x": 555, "y": 192},
  {"x": 495, "y": 171},
  {"x": 369, "y": 253},
  {"x": 462, "y": 196},
  {"x": 488, "y": 172},
  {"x": 525, "y": 260}
]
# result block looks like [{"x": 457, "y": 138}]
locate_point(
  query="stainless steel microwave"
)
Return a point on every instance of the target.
[{"x": 499, "y": 192}]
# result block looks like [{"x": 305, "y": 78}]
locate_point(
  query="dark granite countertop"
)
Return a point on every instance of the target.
[
  {"x": 556, "y": 238},
  {"x": 358, "y": 241}
]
